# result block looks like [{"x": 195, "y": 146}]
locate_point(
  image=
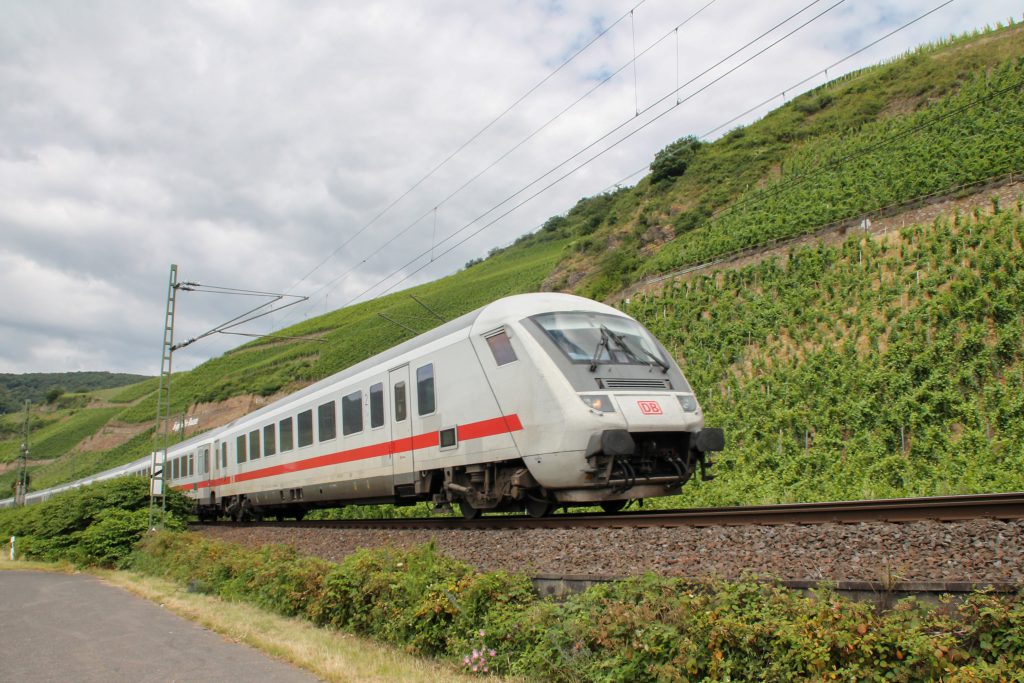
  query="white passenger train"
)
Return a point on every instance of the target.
[{"x": 532, "y": 402}]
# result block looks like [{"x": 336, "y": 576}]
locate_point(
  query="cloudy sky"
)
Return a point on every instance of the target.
[{"x": 319, "y": 147}]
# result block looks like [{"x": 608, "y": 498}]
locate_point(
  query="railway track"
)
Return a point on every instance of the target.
[{"x": 1002, "y": 506}]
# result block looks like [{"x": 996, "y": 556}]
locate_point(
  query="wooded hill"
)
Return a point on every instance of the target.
[
  {"x": 39, "y": 387},
  {"x": 878, "y": 365}
]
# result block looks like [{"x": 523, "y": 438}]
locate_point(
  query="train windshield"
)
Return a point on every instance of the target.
[{"x": 599, "y": 338}]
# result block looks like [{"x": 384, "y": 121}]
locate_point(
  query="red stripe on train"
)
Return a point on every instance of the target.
[{"x": 468, "y": 432}]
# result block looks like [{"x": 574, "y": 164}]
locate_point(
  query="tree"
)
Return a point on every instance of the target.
[
  {"x": 674, "y": 159},
  {"x": 53, "y": 394}
]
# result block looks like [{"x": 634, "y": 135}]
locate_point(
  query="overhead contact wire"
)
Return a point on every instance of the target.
[
  {"x": 616, "y": 143},
  {"x": 464, "y": 145},
  {"x": 332, "y": 283}
]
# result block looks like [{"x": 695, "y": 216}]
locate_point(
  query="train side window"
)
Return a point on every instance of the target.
[
  {"x": 240, "y": 449},
  {"x": 191, "y": 464},
  {"x": 400, "y": 404},
  {"x": 285, "y": 426},
  {"x": 254, "y": 444},
  {"x": 425, "y": 403},
  {"x": 269, "y": 440},
  {"x": 224, "y": 455},
  {"x": 305, "y": 424},
  {"x": 206, "y": 461},
  {"x": 352, "y": 413},
  {"x": 325, "y": 418},
  {"x": 174, "y": 469},
  {"x": 501, "y": 348},
  {"x": 376, "y": 406}
]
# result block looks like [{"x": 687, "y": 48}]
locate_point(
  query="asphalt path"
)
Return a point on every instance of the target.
[{"x": 61, "y": 627}]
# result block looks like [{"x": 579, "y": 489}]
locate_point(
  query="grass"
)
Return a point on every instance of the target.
[{"x": 30, "y": 565}]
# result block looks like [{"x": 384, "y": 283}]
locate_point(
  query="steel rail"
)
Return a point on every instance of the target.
[{"x": 1003, "y": 506}]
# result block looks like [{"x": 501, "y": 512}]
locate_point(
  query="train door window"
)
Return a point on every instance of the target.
[
  {"x": 240, "y": 449},
  {"x": 191, "y": 464},
  {"x": 285, "y": 426},
  {"x": 425, "y": 403},
  {"x": 400, "y": 404},
  {"x": 254, "y": 444},
  {"x": 376, "y": 406},
  {"x": 206, "y": 461},
  {"x": 501, "y": 347},
  {"x": 269, "y": 440},
  {"x": 174, "y": 469},
  {"x": 352, "y": 413},
  {"x": 325, "y": 421},
  {"x": 305, "y": 420},
  {"x": 224, "y": 455}
]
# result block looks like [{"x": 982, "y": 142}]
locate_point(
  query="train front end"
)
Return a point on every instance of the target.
[{"x": 608, "y": 414}]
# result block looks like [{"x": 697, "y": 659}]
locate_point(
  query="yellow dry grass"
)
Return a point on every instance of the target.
[{"x": 329, "y": 655}]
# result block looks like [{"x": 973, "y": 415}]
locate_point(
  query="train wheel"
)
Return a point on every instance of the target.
[
  {"x": 613, "y": 506},
  {"x": 468, "y": 511},
  {"x": 538, "y": 507}
]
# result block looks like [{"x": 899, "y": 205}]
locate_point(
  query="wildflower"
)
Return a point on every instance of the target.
[
  {"x": 482, "y": 633},
  {"x": 476, "y": 654},
  {"x": 491, "y": 652}
]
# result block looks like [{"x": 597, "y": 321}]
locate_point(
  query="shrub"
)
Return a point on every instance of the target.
[
  {"x": 92, "y": 525},
  {"x": 674, "y": 159},
  {"x": 648, "y": 628}
]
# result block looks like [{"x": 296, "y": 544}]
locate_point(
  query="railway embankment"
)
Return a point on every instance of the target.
[{"x": 974, "y": 551}]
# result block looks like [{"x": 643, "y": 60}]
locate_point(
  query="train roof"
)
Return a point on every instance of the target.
[{"x": 491, "y": 315}]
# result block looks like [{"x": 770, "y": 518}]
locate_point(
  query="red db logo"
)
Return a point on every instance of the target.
[{"x": 649, "y": 407}]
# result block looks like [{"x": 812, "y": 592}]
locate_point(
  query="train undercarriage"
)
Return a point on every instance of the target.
[{"x": 620, "y": 466}]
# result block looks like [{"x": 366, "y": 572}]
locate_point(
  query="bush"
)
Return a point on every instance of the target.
[
  {"x": 92, "y": 525},
  {"x": 645, "y": 629},
  {"x": 674, "y": 159}
]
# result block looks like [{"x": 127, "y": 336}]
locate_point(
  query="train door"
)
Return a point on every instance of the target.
[
  {"x": 207, "y": 466},
  {"x": 400, "y": 426}
]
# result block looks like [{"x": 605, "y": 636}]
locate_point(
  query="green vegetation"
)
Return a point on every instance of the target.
[
  {"x": 36, "y": 387},
  {"x": 95, "y": 525},
  {"x": 940, "y": 116},
  {"x": 132, "y": 392},
  {"x": 644, "y": 629},
  {"x": 74, "y": 466},
  {"x": 882, "y": 367},
  {"x": 58, "y": 435}
]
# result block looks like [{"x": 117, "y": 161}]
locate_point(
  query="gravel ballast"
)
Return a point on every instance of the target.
[{"x": 974, "y": 551}]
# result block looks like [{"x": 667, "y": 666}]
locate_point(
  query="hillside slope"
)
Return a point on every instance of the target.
[
  {"x": 885, "y": 366},
  {"x": 802, "y": 359}
]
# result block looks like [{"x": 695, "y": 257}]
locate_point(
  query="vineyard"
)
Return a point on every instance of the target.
[
  {"x": 887, "y": 366},
  {"x": 835, "y": 152}
]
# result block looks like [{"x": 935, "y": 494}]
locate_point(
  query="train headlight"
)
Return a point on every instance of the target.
[
  {"x": 598, "y": 402},
  {"x": 688, "y": 402}
]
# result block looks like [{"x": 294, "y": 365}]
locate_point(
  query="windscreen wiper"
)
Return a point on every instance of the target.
[
  {"x": 625, "y": 346},
  {"x": 603, "y": 344}
]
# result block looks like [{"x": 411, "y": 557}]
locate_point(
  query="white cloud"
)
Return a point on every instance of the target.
[{"x": 247, "y": 140}]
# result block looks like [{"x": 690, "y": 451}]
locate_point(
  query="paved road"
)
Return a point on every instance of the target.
[{"x": 60, "y": 628}]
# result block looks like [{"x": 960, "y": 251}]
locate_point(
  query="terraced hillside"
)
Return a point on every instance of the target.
[
  {"x": 884, "y": 366},
  {"x": 877, "y": 366}
]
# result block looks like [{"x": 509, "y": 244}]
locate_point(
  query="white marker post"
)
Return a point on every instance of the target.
[{"x": 12, "y": 548}]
